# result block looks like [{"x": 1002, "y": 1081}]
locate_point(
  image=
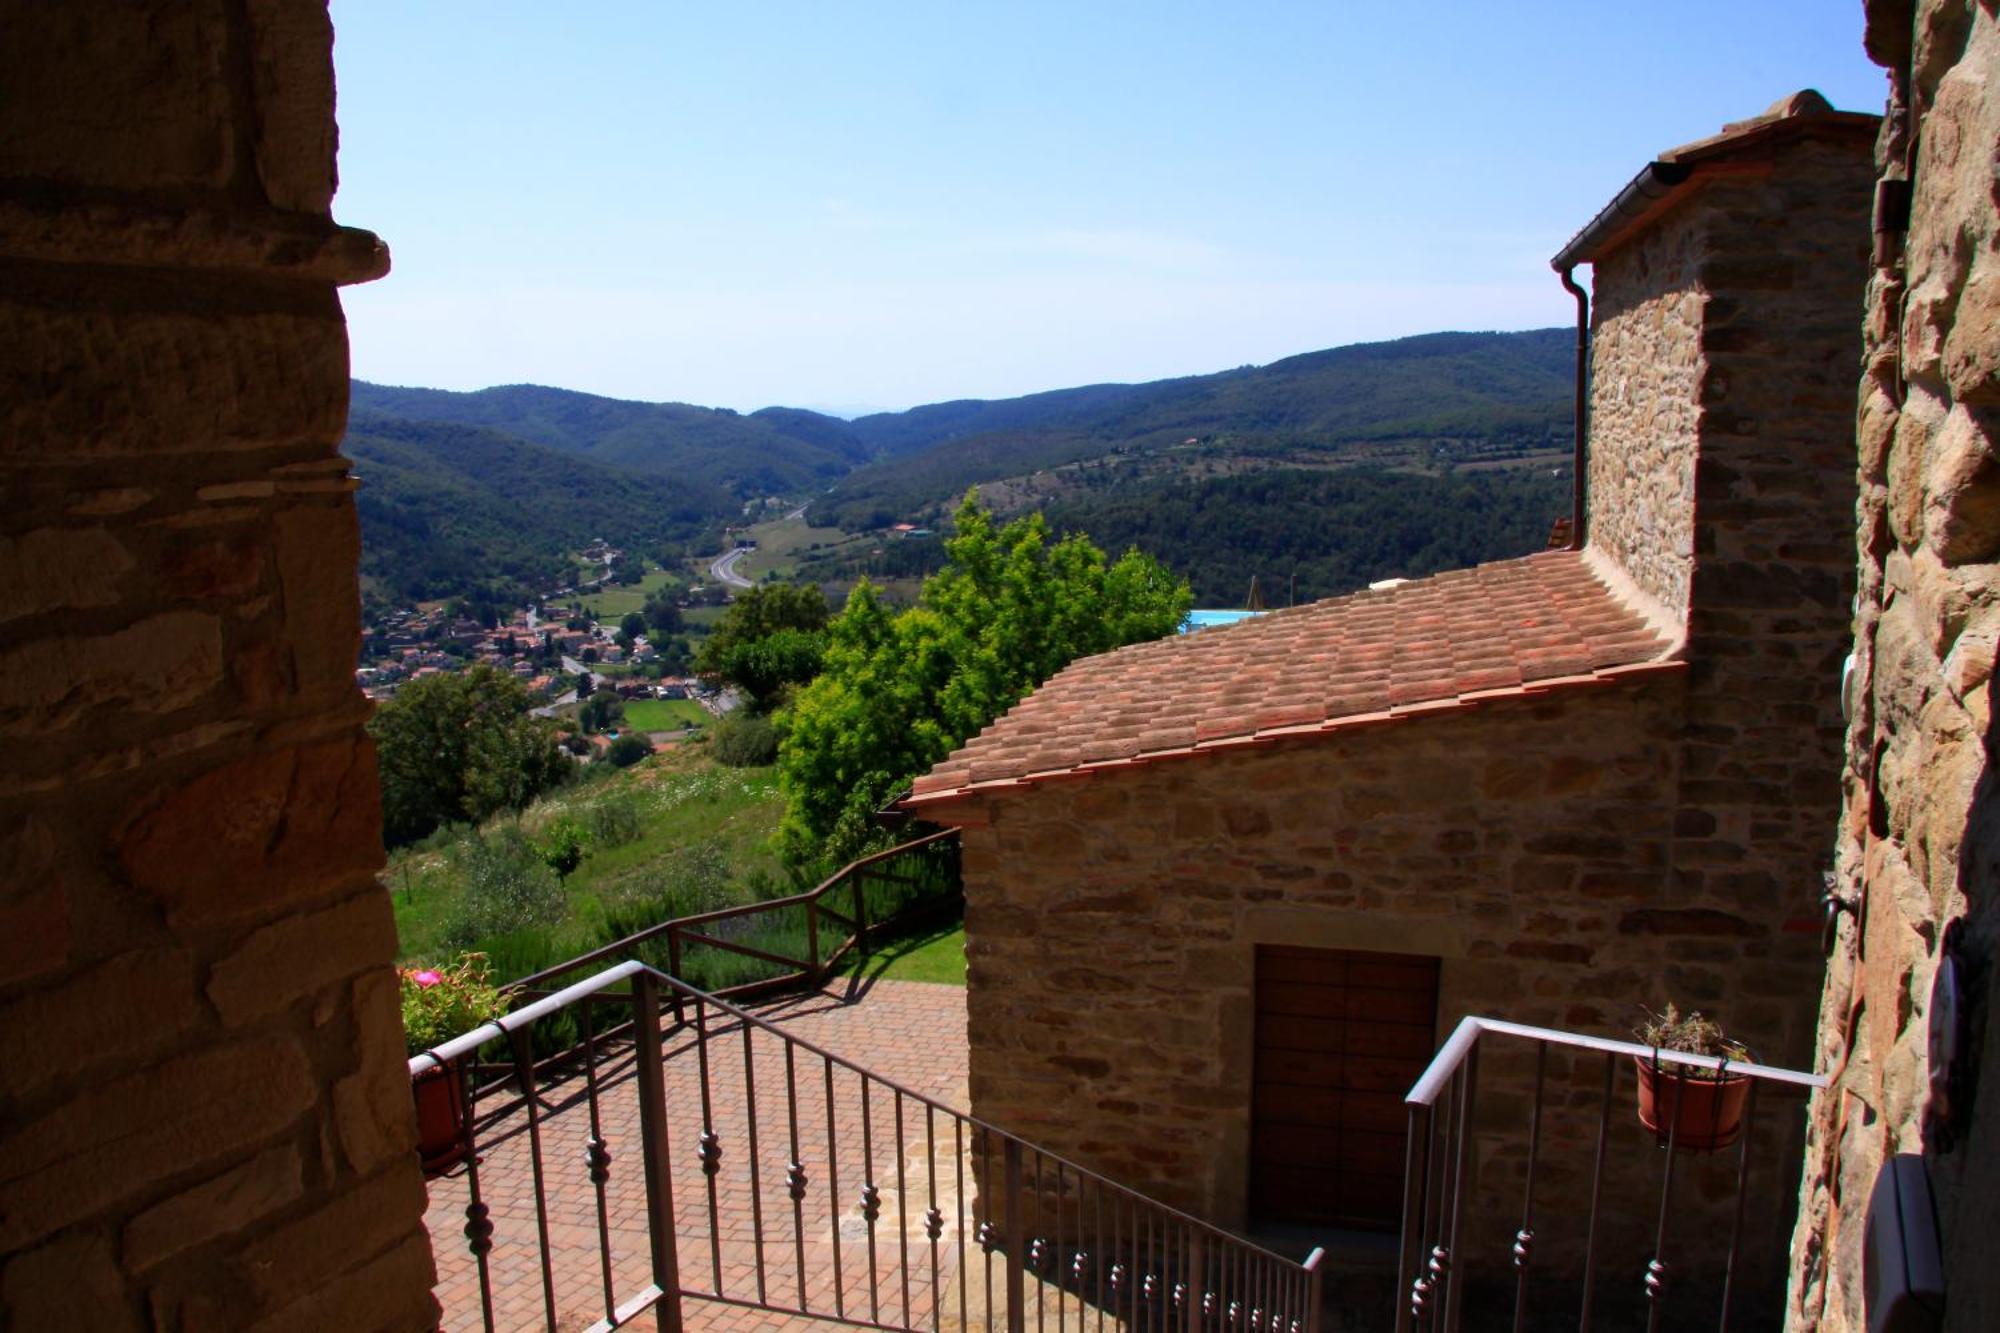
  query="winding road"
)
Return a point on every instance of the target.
[{"x": 723, "y": 568}]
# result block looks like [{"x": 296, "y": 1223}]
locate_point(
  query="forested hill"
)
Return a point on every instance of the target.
[
  {"x": 777, "y": 451},
  {"x": 1475, "y": 393},
  {"x": 448, "y": 510},
  {"x": 494, "y": 487}
]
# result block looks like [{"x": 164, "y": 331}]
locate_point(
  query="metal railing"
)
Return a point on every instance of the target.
[
  {"x": 1438, "y": 1249},
  {"x": 883, "y": 894},
  {"x": 778, "y": 1176},
  {"x": 863, "y": 899}
]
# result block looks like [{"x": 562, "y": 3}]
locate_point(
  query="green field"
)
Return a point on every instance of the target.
[
  {"x": 780, "y": 543},
  {"x": 665, "y": 714},
  {"x": 616, "y": 603},
  {"x": 701, "y": 619}
]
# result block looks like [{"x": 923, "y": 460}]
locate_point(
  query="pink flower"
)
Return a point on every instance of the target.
[{"x": 426, "y": 977}]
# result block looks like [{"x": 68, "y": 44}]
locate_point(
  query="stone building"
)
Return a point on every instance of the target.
[
  {"x": 1918, "y": 853},
  {"x": 1225, "y": 892},
  {"x": 205, "y": 1118}
]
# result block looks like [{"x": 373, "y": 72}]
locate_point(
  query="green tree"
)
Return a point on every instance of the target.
[
  {"x": 897, "y": 693},
  {"x": 769, "y": 639},
  {"x": 627, "y": 750},
  {"x": 600, "y": 712},
  {"x": 633, "y": 626},
  {"x": 662, "y": 613},
  {"x": 457, "y": 747}
]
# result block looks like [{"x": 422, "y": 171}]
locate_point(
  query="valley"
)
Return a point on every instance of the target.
[{"x": 1461, "y": 438}]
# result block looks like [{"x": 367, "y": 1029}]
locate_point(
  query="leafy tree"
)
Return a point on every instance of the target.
[
  {"x": 460, "y": 747},
  {"x": 770, "y": 638},
  {"x": 600, "y": 712},
  {"x": 633, "y": 626},
  {"x": 662, "y": 613},
  {"x": 563, "y": 843},
  {"x": 899, "y": 692},
  {"x": 627, "y": 750},
  {"x": 765, "y": 668}
]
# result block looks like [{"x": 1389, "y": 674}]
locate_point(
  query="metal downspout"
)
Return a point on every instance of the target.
[{"x": 1582, "y": 372}]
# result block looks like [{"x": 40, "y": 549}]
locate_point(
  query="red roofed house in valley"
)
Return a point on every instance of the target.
[{"x": 1226, "y": 892}]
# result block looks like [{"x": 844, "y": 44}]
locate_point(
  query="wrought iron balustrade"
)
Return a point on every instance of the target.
[
  {"x": 888, "y": 892},
  {"x": 773, "y": 1174},
  {"x": 1439, "y": 1248},
  {"x": 877, "y": 894}
]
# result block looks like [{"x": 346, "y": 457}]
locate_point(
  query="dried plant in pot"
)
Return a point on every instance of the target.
[
  {"x": 1694, "y": 1107},
  {"x": 440, "y": 1003}
]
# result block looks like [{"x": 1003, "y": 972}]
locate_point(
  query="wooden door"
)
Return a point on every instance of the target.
[{"x": 1341, "y": 1036}]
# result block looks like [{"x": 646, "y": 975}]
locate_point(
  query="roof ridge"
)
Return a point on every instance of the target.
[{"x": 1457, "y": 639}]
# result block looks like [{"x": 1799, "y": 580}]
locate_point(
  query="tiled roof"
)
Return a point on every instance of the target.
[{"x": 1542, "y": 622}]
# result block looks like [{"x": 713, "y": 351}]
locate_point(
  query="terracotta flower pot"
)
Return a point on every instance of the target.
[
  {"x": 440, "y": 1119},
  {"x": 1709, "y": 1111}
]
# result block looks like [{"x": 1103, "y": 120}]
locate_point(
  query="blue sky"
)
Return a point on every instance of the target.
[{"x": 856, "y": 205}]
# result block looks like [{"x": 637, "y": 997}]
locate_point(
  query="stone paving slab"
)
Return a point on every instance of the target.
[{"x": 909, "y": 1033}]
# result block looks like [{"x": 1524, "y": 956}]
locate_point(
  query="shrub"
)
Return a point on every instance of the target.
[
  {"x": 508, "y": 886},
  {"x": 745, "y": 742},
  {"x": 613, "y": 821},
  {"x": 627, "y": 750},
  {"x": 562, "y": 844}
]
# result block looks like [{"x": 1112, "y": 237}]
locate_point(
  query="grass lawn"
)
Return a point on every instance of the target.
[
  {"x": 781, "y": 542},
  {"x": 665, "y": 714},
  {"x": 937, "y": 956},
  {"x": 701, "y": 619},
  {"x": 616, "y": 603}
]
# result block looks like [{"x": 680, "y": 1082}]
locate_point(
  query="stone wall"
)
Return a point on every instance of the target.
[
  {"x": 1112, "y": 924},
  {"x": 1785, "y": 265},
  {"x": 1646, "y": 371},
  {"x": 204, "y": 1118},
  {"x": 1920, "y": 826}
]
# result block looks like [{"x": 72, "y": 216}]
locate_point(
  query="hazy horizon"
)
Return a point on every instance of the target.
[{"x": 852, "y": 414}]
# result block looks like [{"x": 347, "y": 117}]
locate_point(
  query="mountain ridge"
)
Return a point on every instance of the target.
[{"x": 1432, "y": 401}]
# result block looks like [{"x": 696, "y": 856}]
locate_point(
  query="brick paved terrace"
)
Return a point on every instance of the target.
[{"x": 909, "y": 1033}]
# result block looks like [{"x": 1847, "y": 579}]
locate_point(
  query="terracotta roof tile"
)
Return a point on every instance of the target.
[{"x": 1545, "y": 621}]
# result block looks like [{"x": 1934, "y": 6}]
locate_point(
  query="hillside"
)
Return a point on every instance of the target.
[
  {"x": 775, "y": 451},
  {"x": 447, "y": 508},
  {"x": 465, "y": 489},
  {"x": 1334, "y": 531},
  {"x": 1462, "y": 396}
]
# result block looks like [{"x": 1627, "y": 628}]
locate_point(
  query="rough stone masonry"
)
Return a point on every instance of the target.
[
  {"x": 1919, "y": 831},
  {"x": 204, "y": 1118}
]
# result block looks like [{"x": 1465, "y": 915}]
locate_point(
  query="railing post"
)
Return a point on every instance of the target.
[
  {"x": 1416, "y": 1178},
  {"x": 658, "y": 1155},
  {"x": 674, "y": 971},
  {"x": 1314, "y": 1293},
  {"x": 1454, "y": 1296},
  {"x": 1197, "y": 1278},
  {"x": 812, "y": 940},
  {"x": 1017, "y": 1287},
  {"x": 861, "y": 912}
]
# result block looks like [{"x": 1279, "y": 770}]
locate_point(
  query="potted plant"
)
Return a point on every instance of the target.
[
  {"x": 440, "y": 1003},
  {"x": 1695, "y": 1107}
]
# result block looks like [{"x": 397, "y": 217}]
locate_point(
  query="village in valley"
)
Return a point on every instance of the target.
[{"x": 560, "y": 650}]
